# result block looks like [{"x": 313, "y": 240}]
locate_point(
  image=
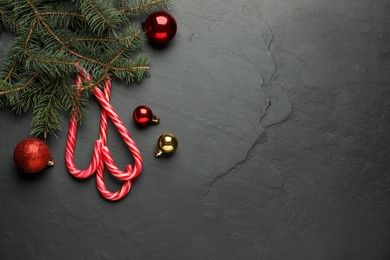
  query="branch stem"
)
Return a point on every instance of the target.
[
  {"x": 25, "y": 85},
  {"x": 63, "y": 13},
  {"x": 134, "y": 8}
]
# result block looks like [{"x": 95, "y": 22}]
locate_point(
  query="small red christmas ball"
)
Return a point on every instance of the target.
[
  {"x": 160, "y": 27},
  {"x": 143, "y": 116},
  {"x": 32, "y": 155}
]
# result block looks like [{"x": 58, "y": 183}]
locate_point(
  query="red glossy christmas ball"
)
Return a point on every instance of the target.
[
  {"x": 143, "y": 116},
  {"x": 32, "y": 155},
  {"x": 160, "y": 27}
]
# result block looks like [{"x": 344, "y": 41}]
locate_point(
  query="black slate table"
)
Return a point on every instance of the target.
[{"x": 282, "y": 112}]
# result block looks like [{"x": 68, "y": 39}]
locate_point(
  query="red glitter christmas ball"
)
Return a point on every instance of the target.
[
  {"x": 160, "y": 27},
  {"x": 32, "y": 155}
]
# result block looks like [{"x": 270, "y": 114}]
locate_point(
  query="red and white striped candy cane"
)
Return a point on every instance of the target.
[
  {"x": 71, "y": 141},
  {"x": 101, "y": 155}
]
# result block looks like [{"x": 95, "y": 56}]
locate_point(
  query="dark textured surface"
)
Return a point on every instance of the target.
[{"x": 282, "y": 112}]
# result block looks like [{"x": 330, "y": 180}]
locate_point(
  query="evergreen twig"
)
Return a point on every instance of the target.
[{"x": 50, "y": 36}]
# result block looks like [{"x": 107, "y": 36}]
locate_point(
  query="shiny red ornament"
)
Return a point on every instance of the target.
[
  {"x": 143, "y": 116},
  {"x": 160, "y": 27},
  {"x": 32, "y": 155}
]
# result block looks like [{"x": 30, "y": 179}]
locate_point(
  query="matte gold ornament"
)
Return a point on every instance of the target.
[{"x": 166, "y": 144}]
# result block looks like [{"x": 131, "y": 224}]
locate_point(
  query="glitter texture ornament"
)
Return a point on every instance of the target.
[{"x": 32, "y": 155}]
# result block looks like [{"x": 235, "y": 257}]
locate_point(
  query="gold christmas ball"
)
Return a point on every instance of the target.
[{"x": 166, "y": 144}]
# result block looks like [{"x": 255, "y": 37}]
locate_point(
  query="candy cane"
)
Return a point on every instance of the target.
[
  {"x": 71, "y": 141},
  {"x": 101, "y": 155}
]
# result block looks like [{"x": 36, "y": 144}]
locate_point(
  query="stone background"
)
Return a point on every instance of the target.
[{"x": 282, "y": 112}]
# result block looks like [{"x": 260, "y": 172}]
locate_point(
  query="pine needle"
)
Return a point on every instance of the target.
[{"x": 50, "y": 36}]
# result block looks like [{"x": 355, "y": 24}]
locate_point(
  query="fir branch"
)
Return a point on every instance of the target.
[
  {"x": 137, "y": 33},
  {"x": 100, "y": 16},
  {"x": 112, "y": 40},
  {"x": 46, "y": 118},
  {"x": 30, "y": 32},
  {"x": 133, "y": 68},
  {"x": 27, "y": 52},
  {"x": 136, "y": 73},
  {"x": 51, "y": 35},
  {"x": 53, "y": 97},
  {"x": 28, "y": 97},
  {"x": 99, "y": 13},
  {"x": 10, "y": 97},
  {"x": 118, "y": 55},
  {"x": 144, "y": 6},
  {"x": 12, "y": 24},
  {"x": 11, "y": 70},
  {"x": 62, "y": 14},
  {"x": 25, "y": 85},
  {"x": 93, "y": 83},
  {"x": 57, "y": 38}
]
